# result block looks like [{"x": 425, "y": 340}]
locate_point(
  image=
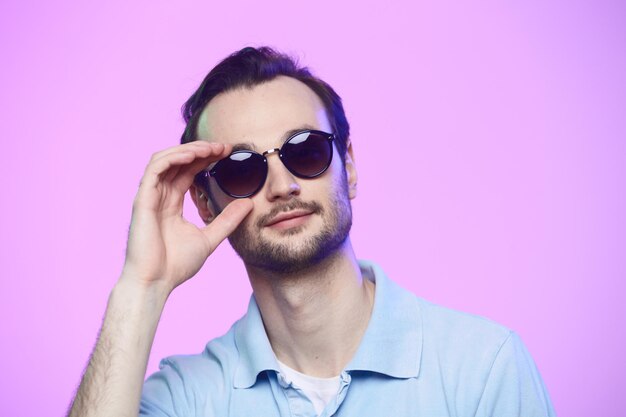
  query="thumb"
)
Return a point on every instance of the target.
[{"x": 227, "y": 221}]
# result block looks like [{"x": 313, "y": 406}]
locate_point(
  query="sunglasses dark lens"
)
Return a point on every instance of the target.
[
  {"x": 241, "y": 174},
  {"x": 307, "y": 154}
]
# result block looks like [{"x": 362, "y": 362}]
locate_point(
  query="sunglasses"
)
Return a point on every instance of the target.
[{"x": 306, "y": 154}]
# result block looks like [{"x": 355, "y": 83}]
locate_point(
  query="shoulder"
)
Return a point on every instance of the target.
[
  {"x": 458, "y": 328},
  {"x": 445, "y": 336},
  {"x": 485, "y": 363},
  {"x": 181, "y": 384},
  {"x": 218, "y": 356},
  {"x": 460, "y": 341},
  {"x": 462, "y": 346},
  {"x": 217, "y": 359},
  {"x": 439, "y": 330}
]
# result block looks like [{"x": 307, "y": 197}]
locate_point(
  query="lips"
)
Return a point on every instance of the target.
[{"x": 284, "y": 216}]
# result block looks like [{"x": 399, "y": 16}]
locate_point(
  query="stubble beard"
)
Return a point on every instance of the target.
[{"x": 285, "y": 257}]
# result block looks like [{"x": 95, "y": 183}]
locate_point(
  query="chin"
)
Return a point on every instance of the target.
[{"x": 293, "y": 253}]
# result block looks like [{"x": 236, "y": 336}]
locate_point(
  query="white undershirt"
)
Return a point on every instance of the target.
[{"x": 319, "y": 390}]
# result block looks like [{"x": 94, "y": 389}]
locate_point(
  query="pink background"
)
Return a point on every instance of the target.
[{"x": 489, "y": 137}]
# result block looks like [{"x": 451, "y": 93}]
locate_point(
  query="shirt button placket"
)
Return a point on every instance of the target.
[
  {"x": 346, "y": 379},
  {"x": 295, "y": 399}
]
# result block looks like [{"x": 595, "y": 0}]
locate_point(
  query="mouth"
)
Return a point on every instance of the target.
[{"x": 289, "y": 219}]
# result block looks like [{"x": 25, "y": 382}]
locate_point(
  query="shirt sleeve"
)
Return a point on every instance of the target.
[{"x": 514, "y": 387}]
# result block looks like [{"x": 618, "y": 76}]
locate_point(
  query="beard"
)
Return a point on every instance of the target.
[{"x": 287, "y": 257}]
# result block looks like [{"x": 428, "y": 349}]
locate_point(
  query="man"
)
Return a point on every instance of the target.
[{"x": 267, "y": 159}]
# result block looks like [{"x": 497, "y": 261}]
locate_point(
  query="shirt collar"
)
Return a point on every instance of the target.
[
  {"x": 391, "y": 345},
  {"x": 255, "y": 352}
]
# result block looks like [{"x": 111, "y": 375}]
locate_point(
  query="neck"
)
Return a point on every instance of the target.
[{"x": 315, "y": 318}]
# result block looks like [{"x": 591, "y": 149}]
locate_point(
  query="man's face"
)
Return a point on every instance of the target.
[{"x": 295, "y": 222}]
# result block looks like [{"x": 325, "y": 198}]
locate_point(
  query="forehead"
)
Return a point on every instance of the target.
[{"x": 262, "y": 114}]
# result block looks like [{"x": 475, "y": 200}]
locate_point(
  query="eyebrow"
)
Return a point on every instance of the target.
[{"x": 245, "y": 146}]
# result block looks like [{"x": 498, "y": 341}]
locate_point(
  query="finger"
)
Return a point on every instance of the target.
[
  {"x": 204, "y": 157},
  {"x": 201, "y": 149},
  {"x": 165, "y": 165},
  {"x": 155, "y": 170},
  {"x": 181, "y": 178},
  {"x": 195, "y": 146},
  {"x": 181, "y": 156},
  {"x": 186, "y": 175},
  {"x": 227, "y": 221},
  {"x": 171, "y": 173},
  {"x": 153, "y": 189}
]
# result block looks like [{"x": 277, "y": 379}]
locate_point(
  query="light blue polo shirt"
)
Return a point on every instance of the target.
[{"x": 415, "y": 359}]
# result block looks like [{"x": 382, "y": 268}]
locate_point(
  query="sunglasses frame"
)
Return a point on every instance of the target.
[{"x": 330, "y": 137}]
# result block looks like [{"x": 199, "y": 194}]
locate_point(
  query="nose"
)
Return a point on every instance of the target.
[{"x": 280, "y": 183}]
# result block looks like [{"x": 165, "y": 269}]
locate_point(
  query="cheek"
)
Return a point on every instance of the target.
[
  {"x": 339, "y": 176},
  {"x": 329, "y": 189}
]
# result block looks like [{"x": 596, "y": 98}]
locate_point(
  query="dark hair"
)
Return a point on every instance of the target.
[{"x": 253, "y": 66}]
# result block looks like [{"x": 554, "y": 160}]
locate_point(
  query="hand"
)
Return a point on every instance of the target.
[{"x": 163, "y": 248}]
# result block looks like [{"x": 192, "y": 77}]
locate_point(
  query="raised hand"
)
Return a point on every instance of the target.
[{"x": 164, "y": 249}]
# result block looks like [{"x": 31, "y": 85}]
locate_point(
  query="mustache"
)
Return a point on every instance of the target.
[{"x": 295, "y": 204}]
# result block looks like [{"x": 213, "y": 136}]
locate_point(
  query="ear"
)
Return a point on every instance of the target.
[
  {"x": 203, "y": 204},
  {"x": 351, "y": 172}
]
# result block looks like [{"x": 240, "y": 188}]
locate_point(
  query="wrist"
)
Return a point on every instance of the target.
[{"x": 133, "y": 289}]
